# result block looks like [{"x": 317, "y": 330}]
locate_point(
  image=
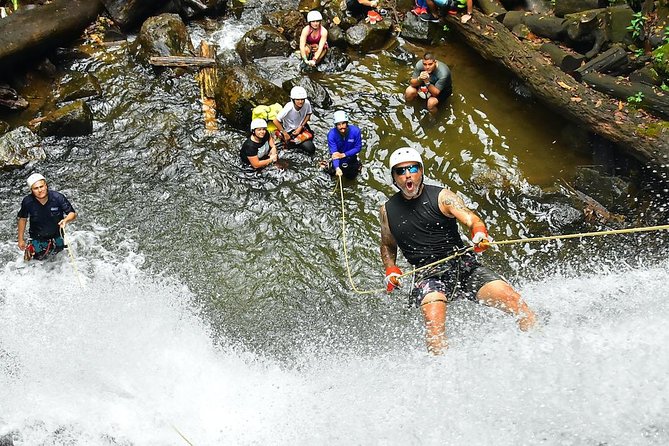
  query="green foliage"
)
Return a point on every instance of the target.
[
  {"x": 446, "y": 28},
  {"x": 639, "y": 52},
  {"x": 664, "y": 87},
  {"x": 658, "y": 57},
  {"x": 462, "y": 4},
  {"x": 666, "y": 34},
  {"x": 637, "y": 24},
  {"x": 636, "y": 98}
]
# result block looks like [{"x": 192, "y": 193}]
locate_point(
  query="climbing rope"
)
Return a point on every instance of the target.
[
  {"x": 471, "y": 248},
  {"x": 181, "y": 435},
  {"x": 72, "y": 260}
]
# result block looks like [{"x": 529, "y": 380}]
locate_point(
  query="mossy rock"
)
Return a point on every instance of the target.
[{"x": 661, "y": 59}]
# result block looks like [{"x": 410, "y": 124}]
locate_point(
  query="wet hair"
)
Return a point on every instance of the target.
[{"x": 428, "y": 56}]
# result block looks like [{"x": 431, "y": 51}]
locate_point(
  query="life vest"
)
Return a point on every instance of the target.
[{"x": 268, "y": 113}]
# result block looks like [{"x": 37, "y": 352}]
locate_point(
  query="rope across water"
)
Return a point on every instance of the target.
[{"x": 471, "y": 248}]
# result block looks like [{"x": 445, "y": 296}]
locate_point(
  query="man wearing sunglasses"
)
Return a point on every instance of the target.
[{"x": 422, "y": 220}]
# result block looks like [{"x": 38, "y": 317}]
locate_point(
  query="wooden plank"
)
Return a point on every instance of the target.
[{"x": 608, "y": 60}]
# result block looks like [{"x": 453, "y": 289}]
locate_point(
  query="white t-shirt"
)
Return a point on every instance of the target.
[{"x": 290, "y": 118}]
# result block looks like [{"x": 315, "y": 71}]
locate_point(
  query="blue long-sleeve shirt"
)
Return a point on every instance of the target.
[{"x": 350, "y": 145}]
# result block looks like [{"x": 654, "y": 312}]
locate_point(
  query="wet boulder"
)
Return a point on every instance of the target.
[
  {"x": 414, "y": 28},
  {"x": 337, "y": 37},
  {"x": 366, "y": 37},
  {"x": 197, "y": 8},
  {"x": 278, "y": 69},
  {"x": 163, "y": 35},
  {"x": 127, "y": 13},
  {"x": 4, "y": 127},
  {"x": 317, "y": 94},
  {"x": 335, "y": 61},
  {"x": 75, "y": 119},
  {"x": 309, "y": 5},
  {"x": 239, "y": 90},
  {"x": 78, "y": 85},
  {"x": 19, "y": 147},
  {"x": 287, "y": 22},
  {"x": 10, "y": 99},
  {"x": 263, "y": 41},
  {"x": 610, "y": 191}
]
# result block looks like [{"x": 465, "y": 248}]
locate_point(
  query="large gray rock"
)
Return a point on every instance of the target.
[
  {"x": 75, "y": 119},
  {"x": 610, "y": 191},
  {"x": 263, "y": 41},
  {"x": 128, "y": 13},
  {"x": 316, "y": 93},
  {"x": 19, "y": 147},
  {"x": 10, "y": 99},
  {"x": 239, "y": 90},
  {"x": 78, "y": 85},
  {"x": 163, "y": 35},
  {"x": 366, "y": 37},
  {"x": 414, "y": 28}
]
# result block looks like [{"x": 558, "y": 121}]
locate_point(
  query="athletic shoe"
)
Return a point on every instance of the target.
[
  {"x": 427, "y": 17},
  {"x": 451, "y": 12},
  {"x": 417, "y": 11}
]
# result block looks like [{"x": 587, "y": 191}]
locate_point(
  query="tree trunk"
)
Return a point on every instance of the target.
[
  {"x": 643, "y": 137},
  {"x": 544, "y": 25},
  {"x": 657, "y": 103},
  {"x": 564, "y": 60},
  {"x": 608, "y": 60},
  {"x": 29, "y": 32}
]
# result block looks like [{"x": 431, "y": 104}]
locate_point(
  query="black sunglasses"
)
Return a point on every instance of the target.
[{"x": 413, "y": 168}]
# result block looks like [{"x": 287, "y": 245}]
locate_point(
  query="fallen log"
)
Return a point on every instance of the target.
[
  {"x": 641, "y": 136},
  {"x": 646, "y": 96},
  {"x": 182, "y": 61},
  {"x": 28, "y": 33},
  {"x": 607, "y": 61},
  {"x": 545, "y": 25},
  {"x": 567, "y": 61},
  {"x": 491, "y": 8}
]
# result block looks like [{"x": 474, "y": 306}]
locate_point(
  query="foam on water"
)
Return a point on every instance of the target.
[{"x": 127, "y": 360}]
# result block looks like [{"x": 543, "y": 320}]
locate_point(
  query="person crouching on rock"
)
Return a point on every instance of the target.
[
  {"x": 292, "y": 122},
  {"x": 431, "y": 80},
  {"x": 258, "y": 150},
  {"x": 313, "y": 40},
  {"x": 48, "y": 212}
]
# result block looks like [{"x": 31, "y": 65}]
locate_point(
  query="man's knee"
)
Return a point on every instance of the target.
[
  {"x": 410, "y": 94},
  {"x": 308, "y": 147}
]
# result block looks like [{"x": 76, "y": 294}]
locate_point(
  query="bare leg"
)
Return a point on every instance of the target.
[
  {"x": 434, "y": 313},
  {"x": 501, "y": 295},
  {"x": 432, "y": 104},
  {"x": 410, "y": 94}
]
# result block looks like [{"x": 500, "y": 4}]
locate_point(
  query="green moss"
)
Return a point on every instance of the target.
[
  {"x": 654, "y": 130},
  {"x": 661, "y": 59}
]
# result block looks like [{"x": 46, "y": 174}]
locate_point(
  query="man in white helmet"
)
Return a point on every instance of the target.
[
  {"x": 344, "y": 142},
  {"x": 313, "y": 39},
  {"x": 48, "y": 212},
  {"x": 422, "y": 220},
  {"x": 292, "y": 122},
  {"x": 258, "y": 150}
]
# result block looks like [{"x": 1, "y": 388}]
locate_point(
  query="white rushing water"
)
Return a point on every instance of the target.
[{"x": 125, "y": 360}]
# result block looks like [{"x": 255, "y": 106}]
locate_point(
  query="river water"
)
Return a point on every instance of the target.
[{"x": 210, "y": 306}]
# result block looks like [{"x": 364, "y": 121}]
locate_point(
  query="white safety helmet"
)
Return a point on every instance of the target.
[
  {"x": 298, "y": 93},
  {"x": 403, "y": 155},
  {"x": 314, "y": 16},
  {"x": 34, "y": 178},
  {"x": 258, "y": 123},
  {"x": 339, "y": 116}
]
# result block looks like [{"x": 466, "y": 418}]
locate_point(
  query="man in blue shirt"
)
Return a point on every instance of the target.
[
  {"x": 344, "y": 142},
  {"x": 49, "y": 212}
]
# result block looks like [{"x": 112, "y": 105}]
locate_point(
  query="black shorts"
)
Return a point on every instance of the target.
[{"x": 460, "y": 278}]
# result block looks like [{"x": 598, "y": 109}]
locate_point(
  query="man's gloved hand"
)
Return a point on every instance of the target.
[
  {"x": 480, "y": 238},
  {"x": 392, "y": 279},
  {"x": 339, "y": 172}
]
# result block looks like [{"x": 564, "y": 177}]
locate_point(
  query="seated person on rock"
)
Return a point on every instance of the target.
[
  {"x": 446, "y": 7},
  {"x": 360, "y": 8},
  {"x": 292, "y": 122},
  {"x": 313, "y": 40},
  {"x": 258, "y": 150},
  {"x": 344, "y": 142},
  {"x": 431, "y": 80}
]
